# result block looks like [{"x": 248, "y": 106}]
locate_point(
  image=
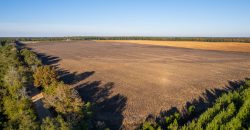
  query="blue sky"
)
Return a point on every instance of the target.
[{"x": 218, "y": 18}]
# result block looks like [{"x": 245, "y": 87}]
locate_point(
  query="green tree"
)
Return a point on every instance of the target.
[
  {"x": 44, "y": 76},
  {"x": 64, "y": 99},
  {"x": 14, "y": 80},
  {"x": 57, "y": 123},
  {"x": 30, "y": 58},
  {"x": 19, "y": 112}
]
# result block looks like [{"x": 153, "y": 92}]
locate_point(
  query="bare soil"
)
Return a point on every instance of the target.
[
  {"x": 220, "y": 46},
  {"x": 130, "y": 81}
]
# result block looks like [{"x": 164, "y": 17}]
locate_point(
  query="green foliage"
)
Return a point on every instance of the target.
[
  {"x": 44, "y": 76},
  {"x": 63, "y": 99},
  {"x": 147, "y": 126},
  {"x": 15, "y": 80},
  {"x": 68, "y": 104},
  {"x": 222, "y": 117},
  {"x": 172, "y": 121},
  {"x": 9, "y": 57},
  {"x": 2, "y": 117},
  {"x": 16, "y": 108},
  {"x": 206, "y": 39},
  {"x": 57, "y": 123},
  {"x": 20, "y": 113},
  {"x": 88, "y": 110},
  {"x": 150, "y": 126},
  {"x": 30, "y": 58},
  {"x": 18, "y": 70},
  {"x": 191, "y": 109},
  {"x": 6, "y": 41},
  {"x": 230, "y": 111}
]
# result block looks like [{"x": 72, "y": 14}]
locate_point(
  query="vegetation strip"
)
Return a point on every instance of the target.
[
  {"x": 231, "y": 111},
  {"x": 20, "y": 71},
  {"x": 203, "y": 39}
]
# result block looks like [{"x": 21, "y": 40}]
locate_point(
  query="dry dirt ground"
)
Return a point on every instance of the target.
[
  {"x": 130, "y": 81},
  {"x": 220, "y": 46}
]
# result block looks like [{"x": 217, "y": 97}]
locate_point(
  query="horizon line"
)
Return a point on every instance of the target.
[{"x": 127, "y": 36}]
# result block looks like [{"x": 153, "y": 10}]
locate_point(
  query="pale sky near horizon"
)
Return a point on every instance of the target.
[{"x": 190, "y": 18}]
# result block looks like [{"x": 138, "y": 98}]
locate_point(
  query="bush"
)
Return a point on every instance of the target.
[
  {"x": 16, "y": 109},
  {"x": 44, "y": 76},
  {"x": 57, "y": 123},
  {"x": 20, "y": 113},
  {"x": 230, "y": 111},
  {"x": 62, "y": 98},
  {"x": 14, "y": 80},
  {"x": 30, "y": 58}
]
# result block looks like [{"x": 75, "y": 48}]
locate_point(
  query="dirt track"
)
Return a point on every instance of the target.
[{"x": 130, "y": 81}]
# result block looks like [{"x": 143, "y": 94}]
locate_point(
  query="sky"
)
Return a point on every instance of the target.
[{"x": 188, "y": 18}]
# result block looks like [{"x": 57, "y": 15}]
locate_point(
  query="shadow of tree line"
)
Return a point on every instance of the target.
[
  {"x": 107, "y": 107},
  {"x": 202, "y": 103}
]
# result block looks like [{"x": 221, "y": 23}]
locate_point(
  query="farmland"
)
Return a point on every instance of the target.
[
  {"x": 220, "y": 46},
  {"x": 130, "y": 81}
]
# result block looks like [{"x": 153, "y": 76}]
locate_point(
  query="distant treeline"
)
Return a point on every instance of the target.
[{"x": 205, "y": 39}]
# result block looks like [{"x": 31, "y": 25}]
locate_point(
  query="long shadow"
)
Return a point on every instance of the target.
[
  {"x": 202, "y": 103},
  {"x": 48, "y": 59},
  {"x": 64, "y": 75},
  {"x": 107, "y": 107},
  {"x": 19, "y": 44},
  {"x": 72, "y": 78}
]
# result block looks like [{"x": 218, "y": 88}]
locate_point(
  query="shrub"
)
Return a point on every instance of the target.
[
  {"x": 16, "y": 109},
  {"x": 30, "y": 58},
  {"x": 44, "y": 76},
  {"x": 230, "y": 111},
  {"x": 62, "y": 98},
  {"x": 14, "y": 80},
  {"x": 20, "y": 113},
  {"x": 57, "y": 123}
]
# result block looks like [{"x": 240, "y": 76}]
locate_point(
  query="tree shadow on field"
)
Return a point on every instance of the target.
[
  {"x": 48, "y": 59},
  {"x": 20, "y": 45},
  {"x": 64, "y": 75},
  {"x": 202, "y": 103},
  {"x": 107, "y": 107},
  {"x": 72, "y": 78}
]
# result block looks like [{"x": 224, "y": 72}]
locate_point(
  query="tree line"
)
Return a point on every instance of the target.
[
  {"x": 204, "y": 39},
  {"x": 20, "y": 72}
]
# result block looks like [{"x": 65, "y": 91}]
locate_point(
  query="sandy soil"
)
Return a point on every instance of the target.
[
  {"x": 130, "y": 81},
  {"x": 221, "y": 46}
]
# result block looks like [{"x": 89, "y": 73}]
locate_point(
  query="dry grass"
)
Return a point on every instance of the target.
[{"x": 220, "y": 46}]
